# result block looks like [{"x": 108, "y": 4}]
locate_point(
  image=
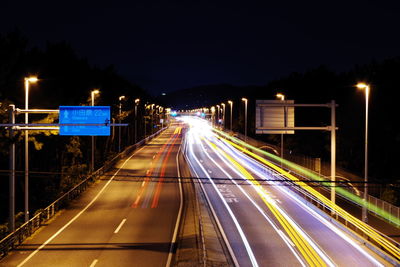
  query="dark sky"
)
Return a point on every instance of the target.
[{"x": 168, "y": 45}]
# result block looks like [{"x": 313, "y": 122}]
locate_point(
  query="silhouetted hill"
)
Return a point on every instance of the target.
[{"x": 207, "y": 95}]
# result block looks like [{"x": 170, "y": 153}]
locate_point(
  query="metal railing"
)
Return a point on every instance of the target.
[{"x": 16, "y": 238}]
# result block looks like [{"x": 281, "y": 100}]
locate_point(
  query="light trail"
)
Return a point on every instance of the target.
[
  {"x": 242, "y": 158},
  {"x": 287, "y": 241},
  {"x": 357, "y": 199},
  {"x": 310, "y": 251},
  {"x": 231, "y": 214},
  {"x": 365, "y": 228}
]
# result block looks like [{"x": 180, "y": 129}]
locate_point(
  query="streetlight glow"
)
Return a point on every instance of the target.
[
  {"x": 281, "y": 96},
  {"x": 121, "y": 97},
  {"x": 32, "y": 79},
  {"x": 361, "y": 85}
]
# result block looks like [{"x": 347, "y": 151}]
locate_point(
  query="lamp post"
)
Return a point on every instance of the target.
[
  {"x": 218, "y": 108},
  {"x": 152, "y": 118},
  {"x": 366, "y": 88},
  {"x": 137, "y": 100},
  {"x": 28, "y": 81},
  {"x": 231, "y": 103},
  {"x": 92, "y": 94},
  {"x": 223, "y": 115},
  {"x": 245, "y": 118},
  {"x": 282, "y": 98},
  {"x": 119, "y": 128},
  {"x": 212, "y": 115}
]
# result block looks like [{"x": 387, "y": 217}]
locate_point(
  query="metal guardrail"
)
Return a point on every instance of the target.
[{"x": 16, "y": 238}]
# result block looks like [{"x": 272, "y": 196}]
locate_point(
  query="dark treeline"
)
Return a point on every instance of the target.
[
  {"x": 322, "y": 85},
  {"x": 65, "y": 79}
]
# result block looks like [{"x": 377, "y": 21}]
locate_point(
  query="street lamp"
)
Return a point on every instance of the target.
[
  {"x": 212, "y": 115},
  {"x": 137, "y": 100},
  {"x": 119, "y": 128},
  {"x": 152, "y": 118},
  {"x": 218, "y": 108},
  {"x": 282, "y": 98},
  {"x": 28, "y": 81},
  {"x": 223, "y": 114},
  {"x": 92, "y": 94},
  {"x": 365, "y": 87},
  {"x": 231, "y": 103},
  {"x": 245, "y": 116}
]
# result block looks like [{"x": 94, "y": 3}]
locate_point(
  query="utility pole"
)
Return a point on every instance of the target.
[
  {"x": 333, "y": 152},
  {"x": 11, "y": 224}
]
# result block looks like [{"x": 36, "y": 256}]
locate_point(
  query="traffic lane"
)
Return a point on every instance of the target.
[
  {"x": 223, "y": 215},
  {"x": 331, "y": 243},
  {"x": 77, "y": 237},
  {"x": 146, "y": 233},
  {"x": 253, "y": 223}
]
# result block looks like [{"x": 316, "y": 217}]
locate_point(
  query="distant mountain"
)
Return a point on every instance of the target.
[{"x": 207, "y": 95}]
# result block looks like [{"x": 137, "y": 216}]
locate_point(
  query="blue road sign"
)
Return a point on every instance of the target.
[{"x": 84, "y": 115}]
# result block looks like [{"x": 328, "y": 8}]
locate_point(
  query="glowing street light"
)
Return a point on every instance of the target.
[
  {"x": 245, "y": 116},
  {"x": 28, "y": 81},
  {"x": 231, "y": 103},
  {"x": 223, "y": 115},
  {"x": 92, "y": 94},
  {"x": 119, "y": 128},
  {"x": 137, "y": 100},
  {"x": 366, "y": 88},
  {"x": 282, "y": 98}
]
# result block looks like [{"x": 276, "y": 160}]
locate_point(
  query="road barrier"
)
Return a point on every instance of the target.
[{"x": 16, "y": 238}]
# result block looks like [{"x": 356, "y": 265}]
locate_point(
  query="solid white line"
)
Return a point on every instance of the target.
[
  {"x": 94, "y": 263},
  {"x": 76, "y": 216},
  {"x": 119, "y": 226},
  {"x": 178, "y": 219},
  {"x": 280, "y": 233},
  {"x": 231, "y": 214}
]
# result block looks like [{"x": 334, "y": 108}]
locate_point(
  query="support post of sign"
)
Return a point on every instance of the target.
[
  {"x": 11, "y": 223},
  {"x": 333, "y": 152}
]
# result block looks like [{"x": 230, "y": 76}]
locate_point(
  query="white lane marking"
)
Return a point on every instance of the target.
[
  {"x": 209, "y": 171},
  {"x": 76, "y": 216},
  {"x": 280, "y": 233},
  {"x": 119, "y": 226},
  {"x": 230, "y": 212},
  {"x": 94, "y": 263},
  {"x": 178, "y": 219},
  {"x": 312, "y": 243}
]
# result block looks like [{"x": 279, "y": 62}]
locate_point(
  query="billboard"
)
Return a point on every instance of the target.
[{"x": 271, "y": 114}]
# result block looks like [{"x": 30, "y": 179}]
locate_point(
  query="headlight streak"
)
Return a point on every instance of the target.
[
  {"x": 311, "y": 254},
  {"x": 242, "y": 157},
  {"x": 287, "y": 240},
  {"x": 365, "y": 228},
  {"x": 356, "y": 199},
  {"x": 233, "y": 217}
]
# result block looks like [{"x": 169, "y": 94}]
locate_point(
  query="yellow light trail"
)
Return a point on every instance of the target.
[
  {"x": 365, "y": 228},
  {"x": 308, "y": 252}
]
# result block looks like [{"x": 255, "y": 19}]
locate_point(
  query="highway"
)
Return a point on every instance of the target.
[
  {"x": 125, "y": 219},
  {"x": 265, "y": 224}
]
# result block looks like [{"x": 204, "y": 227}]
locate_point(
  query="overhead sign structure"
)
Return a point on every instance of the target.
[
  {"x": 272, "y": 114},
  {"x": 85, "y": 115}
]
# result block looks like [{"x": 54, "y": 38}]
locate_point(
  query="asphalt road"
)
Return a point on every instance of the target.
[
  {"x": 128, "y": 218},
  {"x": 266, "y": 225}
]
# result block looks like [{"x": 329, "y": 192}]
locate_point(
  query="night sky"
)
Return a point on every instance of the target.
[{"x": 169, "y": 45}]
